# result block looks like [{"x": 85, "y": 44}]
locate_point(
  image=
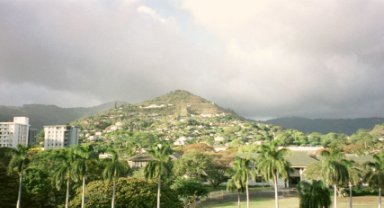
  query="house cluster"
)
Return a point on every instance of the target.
[{"x": 19, "y": 131}]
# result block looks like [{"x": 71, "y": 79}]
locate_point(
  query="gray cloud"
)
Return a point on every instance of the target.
[{"x": 323, "y": 59}]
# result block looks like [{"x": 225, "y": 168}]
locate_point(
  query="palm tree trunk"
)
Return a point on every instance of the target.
[
  {"x": 350, "y": 195},
  {"x": 19, "y": 195},
  {"x": 238, "y": 199},
  {"x": 276, "y": 193},
  {"x": 247, "y": 193},
  {"x": 379, "y": 198},
  {"x": 67, "y": 194},
  {"x": 83, "y": 193},
  {"x": 158, "y": 192},
  {"x": 113, "y": 193},
  {"x": 334, "y": 196}
]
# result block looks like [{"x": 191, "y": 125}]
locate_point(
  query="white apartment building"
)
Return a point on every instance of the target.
[
  {"x": 60, "y": 136},
  {"x": 14, "y": 133}
]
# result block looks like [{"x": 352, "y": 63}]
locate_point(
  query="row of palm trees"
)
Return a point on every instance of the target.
[
  {"x": 333, "y": 169},
  {"x": 336, "y": 171},
  {"x": 270, "y": 163},
  {"x": 74, "y": 164}
]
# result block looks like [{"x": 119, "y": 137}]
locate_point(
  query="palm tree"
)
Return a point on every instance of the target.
[
  {"x": 65, "y": 170},
  {"x": 85, "y": 155},
  {"x": 334, "y": 170},
  {"x": 243, "y": 169},
  {"x": 18, "y": 164},
  {"x": 314, "y": 195},
  {"x": 159, "y": 166},
  {"x": 272, "y": 163},
  {"x": 354, "y": 178},
  {"x": 375, "y": 173},
  {"x": 114, "y": 169},
  {"x": 236, "y": 184}
]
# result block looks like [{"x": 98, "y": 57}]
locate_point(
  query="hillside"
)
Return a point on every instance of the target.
[
  {"x": 40, "y": 115},
  {"x": 347, "y": 126},
  {"x": 185, "y": 103},
  {"x": 175, "y": 115}
]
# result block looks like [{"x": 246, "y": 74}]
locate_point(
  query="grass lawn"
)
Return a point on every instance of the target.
[{"x": 291, "y": 202}]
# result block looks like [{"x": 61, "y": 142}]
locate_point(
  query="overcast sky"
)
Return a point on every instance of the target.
[{"x": 261, "y": 58}]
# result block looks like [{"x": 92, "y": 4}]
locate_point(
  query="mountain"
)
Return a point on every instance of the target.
[
  {"x": 185, "y": 103},
  {"x": 178, "y": 114},
  {"x": 346, "y": 126},
  {"x": 40, "y": 115}
]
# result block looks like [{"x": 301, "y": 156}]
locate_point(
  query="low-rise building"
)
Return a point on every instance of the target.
[
  {"x": 60, "y": 136},
  {"x": 14, "y": 133}
]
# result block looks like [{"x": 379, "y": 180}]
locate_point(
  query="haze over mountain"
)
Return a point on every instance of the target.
[
  {"x": 347, "y": 126},
  {"x": 40, "y": 115}
]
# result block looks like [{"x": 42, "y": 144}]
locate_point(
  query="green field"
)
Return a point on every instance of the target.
[{"x": 286, "y": 202}]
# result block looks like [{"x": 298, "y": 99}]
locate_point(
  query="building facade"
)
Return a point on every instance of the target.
[
  {"x": 60, "y": 136},
  {"x": 14, "y": 133},
  {"x": 32, "y": 137}
]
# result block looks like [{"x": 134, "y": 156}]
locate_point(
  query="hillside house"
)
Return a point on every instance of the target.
[{"x": 142, "y": 159}]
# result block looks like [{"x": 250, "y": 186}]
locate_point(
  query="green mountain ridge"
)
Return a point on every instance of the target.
[
  {"x": 41, "y": 115},
  {"x": 346, "y": 126}
]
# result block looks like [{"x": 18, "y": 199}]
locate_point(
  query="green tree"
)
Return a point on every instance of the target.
[
  {"x": 114, "y": 169},
  {"x": 243, "y": 169},
  {"x": 85, "y": 155},
  {"x": 130, "y": 193},
  {"x": 39, "y": 183},
  {"x": 193, "y": 164},
  {"x": 37, "y": 188},
  {"x": 18, "y": 164},
  {"x": 363, "y": 141},
  {"x": 334, "y": 170},
  {"x": 8, "y": 182},
  {"x": 272, "y": 163},
  {"x": 314, "y": 138},
  {"x": 189, "y": 190},
  {"x": 375, "y": 173},
  {"x": 236, "y": 184},
  {"x": 216, "y": 174},
  {"x": 64, "y": 172},
  {"x": 160, "y": 166},
  {"x": 333, "y": 140},
  {"x": 354, "y": 172},
  {"x": 284, "y": 138},
  {"x": 314, "y": 195}
]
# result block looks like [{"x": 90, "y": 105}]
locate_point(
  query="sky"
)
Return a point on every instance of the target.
[{"x": 260, "y": 58}]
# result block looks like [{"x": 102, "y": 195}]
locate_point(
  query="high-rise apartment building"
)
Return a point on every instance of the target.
[
  {"x": 32, "y": 137},
  {"x": 59, "y": 136},
  {"x": 14, "y": 133}
]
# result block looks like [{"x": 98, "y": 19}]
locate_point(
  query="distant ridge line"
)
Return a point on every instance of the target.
[{"x": 343, "y": 125}]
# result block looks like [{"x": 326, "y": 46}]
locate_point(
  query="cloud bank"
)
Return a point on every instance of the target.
[{"x": 259, "y": 58}]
